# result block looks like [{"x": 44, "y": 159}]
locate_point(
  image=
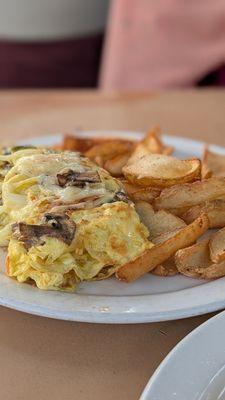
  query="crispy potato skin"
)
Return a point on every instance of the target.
[
  {"x": 134, "y": 172},
  {"x": 191, "y": 194},
  {"x": 115, "y": 165},
  {"x": 195, "y": 262},
  {"x": 160, "y": 253},
  {"x": 168, "y": 268},
  {"x": 197, "y": 198},
  {"x": 102, "y": 152},
  {"x": 213, "y": 163},
  {"x": 217, "y": 246},
  {"x": 157, "y": 222},
  {"x": 215, "y": 210}
]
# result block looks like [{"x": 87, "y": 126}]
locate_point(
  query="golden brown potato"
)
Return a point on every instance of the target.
[
  {"x": 214, "y": 162},
  {"x": 102, "y": 152},
  {"x": 162, "y": 171},
  {"x": 145, "y": 194},
  {"x": 74, "y": 143},
  {"x": 114, "y": 165},
  {"x": 190, "y": 194},
  {"x": 217, "y": 246},
  {"x": 164, "y": 236},
  {"x": 150, "y": 144},
  {"x": 157, "y": 222},
  {"x": 137, "y": 193},
  {"x": 215, "y": 210},
  {"x": 168, "y": 268},
  {"x": 205, "y": 172},
  {"x": 195, "y": 262},
  {"x": 129, "y": 187},
  {"x": 157, "y": 254}
]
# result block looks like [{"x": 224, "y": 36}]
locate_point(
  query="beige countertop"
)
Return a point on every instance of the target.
[{"x": 47, "y": 359}]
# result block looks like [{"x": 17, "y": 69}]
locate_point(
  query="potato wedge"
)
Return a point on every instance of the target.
[
  {"x": 148, "y": 194},
  {"x": 102, "y": 152},
  {"x": 205, "y": 172},
  {"x": 139, "y": 151},
  {"x": 195, "y": 262},
  {"x": 160, "y": 253},
  {"x": 163, "y": 237},
  {"x": 74, "y": 143},
  {"x": 162, "y": 171},
  {"x": 188, "y": 260},
  {"x": 150, "y": 144},
  {"x": 128, "y": 186},
  {"x": 214, "y": 162},
  {"x": 157, "y": 222},
  {"x": 190, "y": 194},
  {"x": 114, "y": 165},
  {"x": 137, "y": 193},
  {"x": 217, "y": 246},
  {"x": 215, "y": 210},
  {"x": 179, "y": 212},
  {"x": 168, "y": 268}
]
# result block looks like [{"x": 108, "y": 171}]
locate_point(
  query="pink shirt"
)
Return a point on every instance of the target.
[{"x": 153, "y": 44}]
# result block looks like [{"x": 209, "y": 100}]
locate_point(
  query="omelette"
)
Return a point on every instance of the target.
[{"x": 65, "y": 220}]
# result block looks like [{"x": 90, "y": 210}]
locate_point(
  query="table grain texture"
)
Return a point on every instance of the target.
[{"x": 42, "y": 359}]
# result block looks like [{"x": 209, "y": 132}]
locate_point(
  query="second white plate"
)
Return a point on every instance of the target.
[{"x": 195, "y": 368}]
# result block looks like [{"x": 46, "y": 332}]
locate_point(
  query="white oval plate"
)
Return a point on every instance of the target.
[
  {"x": 149, "y": 299},
  {"x": 195, "y": 368}
]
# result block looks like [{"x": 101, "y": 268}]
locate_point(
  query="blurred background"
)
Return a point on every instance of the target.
[{"x": 123, "y": 45}]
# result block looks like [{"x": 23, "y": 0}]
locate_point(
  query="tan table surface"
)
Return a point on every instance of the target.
[{"x": 44, "y": 359}]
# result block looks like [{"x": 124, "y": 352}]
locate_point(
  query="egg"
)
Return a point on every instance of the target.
[
  {"x": 66, "y": 220},
  {"x": 106, "y": 237}
]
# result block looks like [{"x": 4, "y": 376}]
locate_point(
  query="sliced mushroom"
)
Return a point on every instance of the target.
[
  {"x": 5, "y": 166},
  {"x": 73, "y": 178},
  {"x": 57, "y": 226}
]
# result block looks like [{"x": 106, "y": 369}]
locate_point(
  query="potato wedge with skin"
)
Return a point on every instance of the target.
[
  {"x": 150, "y": 144},
  {"x": 214, "y": 271},
  {"x": 137, "y": 193},
  {"x": 179, "y": 212},
  {"x": 74, "y": 143},
  {"x": 114, "y": 165},
  {"x": 195, "y": 262},
  {"x": 162, "y": 171},
  {"x": 163, "y": 237},
  {"x": 168, "y": 268},
  {"x": 148, "y": 194},
  {"x": 188, "y": 260},
  {"x": 191, "y": 194},
  {"x": 152, "y": 141},
  {"x": 217, "y": 246},
  {"x": 192, "y": 213},
  {"x": 214, "y": 162},
  {"x": 205, "y": 172},
  {"x": 215, "y": 210},
  {"x": 140, "y": 151},
  {"x": 157, "y": 222},
  {"x": 129, "y": 187},
  {"x": 102, "y": 152},
  {"x": 161, "y": 252}
]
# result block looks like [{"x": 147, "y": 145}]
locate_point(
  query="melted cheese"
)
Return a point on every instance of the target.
[
  {"x": 106, "y": 237},
  {"x": 31, "y": 187}
]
